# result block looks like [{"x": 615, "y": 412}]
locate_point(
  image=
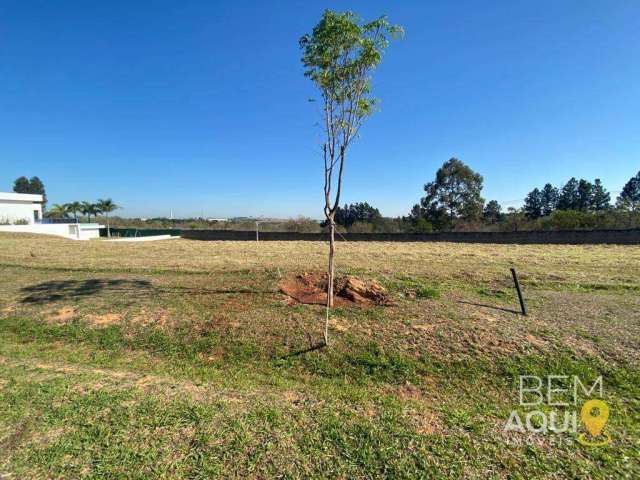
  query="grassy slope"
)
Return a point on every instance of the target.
[{"x": 180, "y": 359}]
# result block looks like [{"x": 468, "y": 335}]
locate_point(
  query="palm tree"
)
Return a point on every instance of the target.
[
  {"x": 89, "y": 209},
  {"x": 58, "y": 211},
  {"x": 74, "y": 207},
  {"x": 106, "y": 206}
]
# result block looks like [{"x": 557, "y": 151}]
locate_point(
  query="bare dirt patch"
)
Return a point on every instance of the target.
[
  {"x": 310, "y": 288},
  {"x": 62, "y": 315},
  {"x": 105, "y": 319}
]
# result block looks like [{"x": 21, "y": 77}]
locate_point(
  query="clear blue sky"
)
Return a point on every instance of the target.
[{"x": 202, "y": 105}]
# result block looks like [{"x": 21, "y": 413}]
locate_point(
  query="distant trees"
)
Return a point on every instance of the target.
[
  {"x": 549, "y": 198},
  {"x": 34, "y": 186},
  {"x": 58, "y": 211},
  {"x": 600, "y": 198},
  {"x": 580, "y": 195},
  {"x": 492, "y": 212},
  {"x": 533, "y": 204},
  {"x": 629, "y": 198},
  {"x": 454, "y": 194},
  {"x": 453, "y": 201},
  {"x": 357, "y": 213},
  {"x": 106, "y": 206},
  {"x": 74, "y": 208},
  {"x": 88, "y": 209}
]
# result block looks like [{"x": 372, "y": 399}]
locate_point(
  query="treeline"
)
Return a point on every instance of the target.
[{"x": 453, "y": 201}]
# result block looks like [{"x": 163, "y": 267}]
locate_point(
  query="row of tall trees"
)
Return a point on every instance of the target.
[
  {"x": 454, "y": 198},
  {"x": 579, "y": 195},
  {"x": 89, "y": 209},
  {"x": 354, "y": 213}
]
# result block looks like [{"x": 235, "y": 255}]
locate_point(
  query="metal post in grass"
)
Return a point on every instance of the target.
[{"x": 517, "y": 283}]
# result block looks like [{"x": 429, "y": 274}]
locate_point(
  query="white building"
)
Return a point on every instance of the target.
[
  {"x": 20, "y": 208},
  {"x": 22, "y": 213}
]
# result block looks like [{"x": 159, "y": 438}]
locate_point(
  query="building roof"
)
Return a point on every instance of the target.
[{"x": 20, "y": 197}]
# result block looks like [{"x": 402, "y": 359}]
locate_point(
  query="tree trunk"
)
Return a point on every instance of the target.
[
  {"x": 108, "y": 228},
  {"x": 330, "y": 277}
]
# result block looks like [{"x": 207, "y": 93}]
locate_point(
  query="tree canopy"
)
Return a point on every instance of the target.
[
  {"x": 33, "y": 186},
  {"x": 454, "y": 194},
  {"x": 629, "y": 198}
]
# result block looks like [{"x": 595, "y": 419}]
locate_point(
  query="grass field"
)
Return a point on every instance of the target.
[{"x": 181, "y": 359}]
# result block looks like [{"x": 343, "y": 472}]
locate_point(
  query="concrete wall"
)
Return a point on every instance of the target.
[
  {"x": 623, "y": 237},
  {"x": 72, "y": 231},
  {"x": 14, "y": 210}
]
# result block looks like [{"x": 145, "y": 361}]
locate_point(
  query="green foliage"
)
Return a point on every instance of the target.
[
  {"x": 549, "y": 199},
  {"x": 89, "y": 209},
  {"x": 21, "y": 185},
  {"x": 454, "y": 194},
  {"x": 339, "y": 56},
  {"x": 106, "y": 206},
  {"x": 33, "y": 186},
  {"x": 533, "y": 204},
  {"x": 410, "y": 287},
  {"x": 568, "y": 198},
  {"x": 421, "y": 225},
  {"x": 357, "y": 212},
  {"x": 492, "y": 212},
  {"x": 600, "y": 198},
  {"x": 629, "y": 198},
  {"x": 74, "y": 208},
  {"x": 58, "y": 211},
  {"x": 302, "y": 224}
]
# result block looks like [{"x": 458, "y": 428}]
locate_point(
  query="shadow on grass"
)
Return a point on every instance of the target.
[
  {"x": 56, "y": 290},
  {"x": 493, "y": 307}
]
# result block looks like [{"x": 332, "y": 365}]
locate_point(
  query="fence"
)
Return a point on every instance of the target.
[
  {"x": 140, "y": 232},
  {"x": 622, "y": 237}
]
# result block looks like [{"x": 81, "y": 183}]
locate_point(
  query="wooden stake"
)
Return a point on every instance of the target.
[{"x": 517, "y": 283}]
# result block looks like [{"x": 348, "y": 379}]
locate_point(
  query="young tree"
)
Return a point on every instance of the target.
[
  {"x": 339, "y": 56},
  {"x": 533, "y": 204},
  {"x": 629, "y": 198},
  {"x": 492, "y": 212},
  {"x": 549, "y": 199},
  {"x": 107, "y": 206},
  {"x": 455, "y": 193},
  {"x": 600, "y": 198}
]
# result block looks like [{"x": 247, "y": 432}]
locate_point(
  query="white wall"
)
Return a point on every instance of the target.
[
  {"x": 14, "y": 210},
  {"x": 73, "y": 231}
]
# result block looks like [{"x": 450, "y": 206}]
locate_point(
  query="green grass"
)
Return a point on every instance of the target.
[{"x": 182, "y": 360}]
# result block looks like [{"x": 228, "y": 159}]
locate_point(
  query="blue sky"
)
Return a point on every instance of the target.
[{"x": 201, "y": 106}]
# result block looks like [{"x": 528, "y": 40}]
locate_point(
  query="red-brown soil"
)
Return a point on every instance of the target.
[{"x": 311, "y": 288}]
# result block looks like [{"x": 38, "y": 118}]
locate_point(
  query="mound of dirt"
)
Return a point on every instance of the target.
[{"x": 311, "y": 288}]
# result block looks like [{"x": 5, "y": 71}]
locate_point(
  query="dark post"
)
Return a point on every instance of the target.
[{"x": 515, "y": 280}]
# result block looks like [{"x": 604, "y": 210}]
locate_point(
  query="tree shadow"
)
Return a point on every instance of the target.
[
  {"x": 57, "y": 290},
  {"x": 493, "y": 307},
  {"x": 313, "y": 346}
]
